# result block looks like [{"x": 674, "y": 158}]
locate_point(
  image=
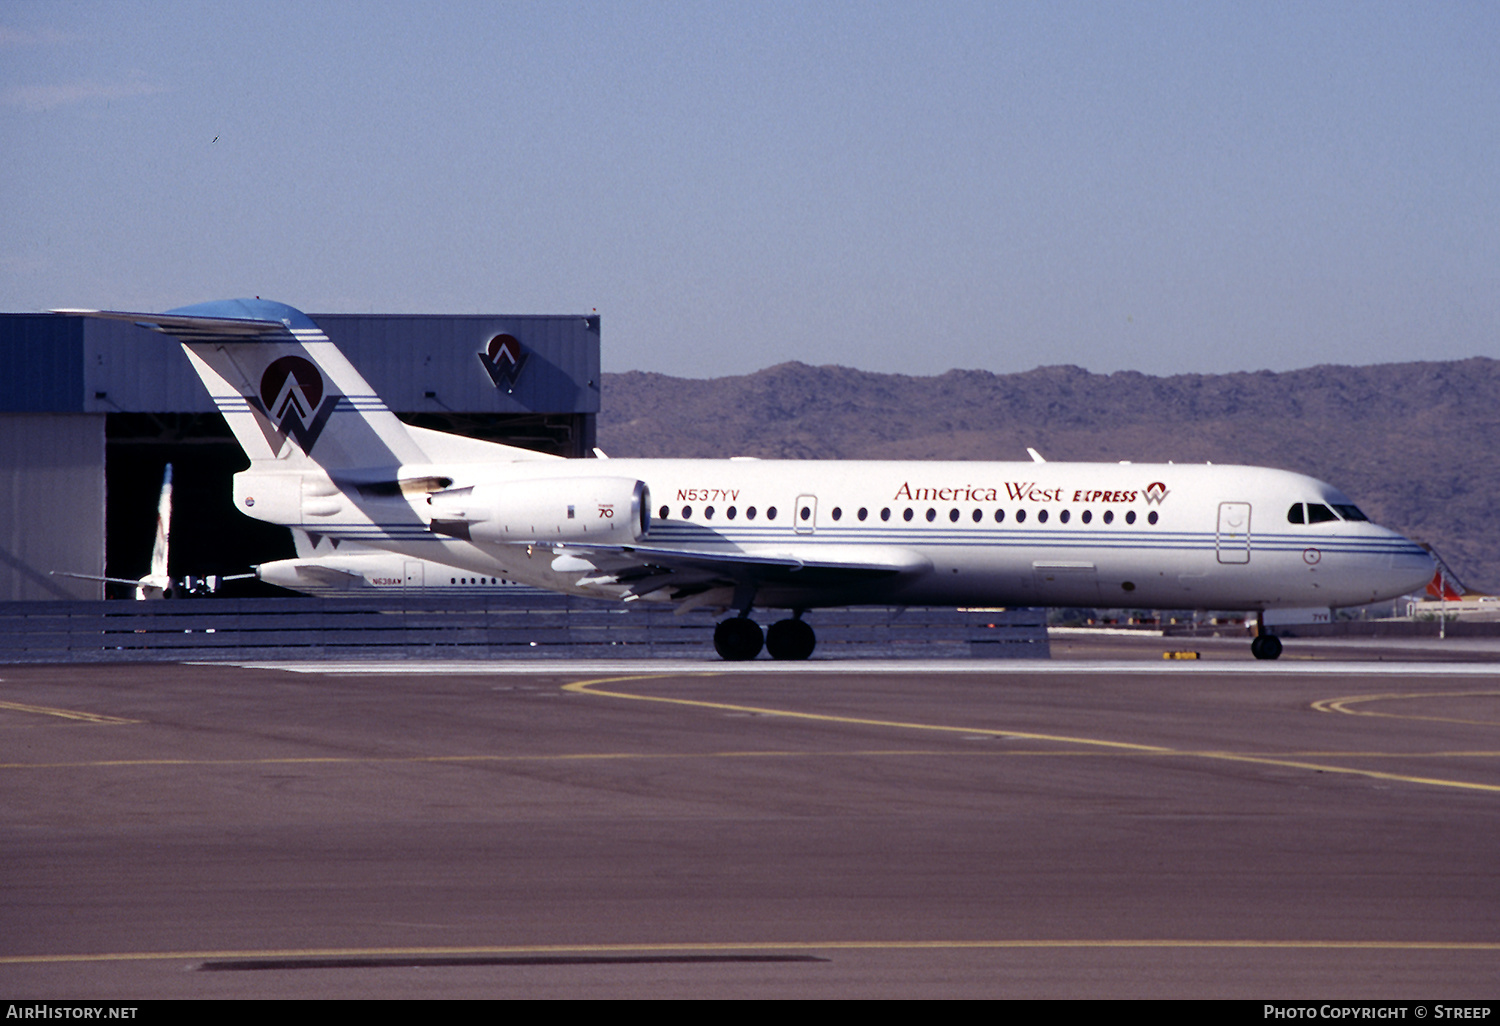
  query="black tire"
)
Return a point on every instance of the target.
[
  {"x": 790, "y": 639},
  {"x": 1267, "y": 646},
  {"x": 738, "y": 639}
]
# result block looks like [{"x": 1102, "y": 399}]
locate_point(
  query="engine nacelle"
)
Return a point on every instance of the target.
[{"x": 560, "y": 509}]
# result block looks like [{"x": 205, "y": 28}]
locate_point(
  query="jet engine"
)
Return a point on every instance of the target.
[{"x": 559, "y": 509}]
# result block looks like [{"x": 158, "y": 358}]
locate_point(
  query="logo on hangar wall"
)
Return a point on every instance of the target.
[
  {"x": 503, "y": 359},
  {"x": 292, "y": 398}
]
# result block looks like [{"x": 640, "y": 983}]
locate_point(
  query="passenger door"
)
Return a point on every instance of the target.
[{"x": 1233, "y": 539}]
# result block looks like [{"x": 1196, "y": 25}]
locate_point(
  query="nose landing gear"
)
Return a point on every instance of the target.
[{"x": 1265, "y": 646}]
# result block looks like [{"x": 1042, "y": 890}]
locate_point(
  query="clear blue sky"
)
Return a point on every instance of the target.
[{"x": 897, "y": 187}]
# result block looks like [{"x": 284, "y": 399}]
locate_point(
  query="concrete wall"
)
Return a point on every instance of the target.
[{"x": 51, "y": 504}]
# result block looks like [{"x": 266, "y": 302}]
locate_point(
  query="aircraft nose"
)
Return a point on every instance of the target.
[{"x": 1411, "y": 566}]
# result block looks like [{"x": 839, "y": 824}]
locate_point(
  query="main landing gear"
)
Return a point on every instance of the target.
[{"x": 739, "y": 638}]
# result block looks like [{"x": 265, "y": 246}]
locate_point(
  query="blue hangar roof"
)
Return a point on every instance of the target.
[{"x": 67, "y": 363}]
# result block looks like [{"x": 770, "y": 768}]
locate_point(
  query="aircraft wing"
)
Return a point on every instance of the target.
[
  {"x": 328, "y": 576},
  {"x": 131, "y": 581},
  {"x": 647, "y": 568}
]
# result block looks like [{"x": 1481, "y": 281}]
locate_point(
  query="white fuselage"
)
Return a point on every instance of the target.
[
  {"x": 364, "y": 570},
  {"x": 327, "y": 456},
  {"x": 958, "y": 533}
]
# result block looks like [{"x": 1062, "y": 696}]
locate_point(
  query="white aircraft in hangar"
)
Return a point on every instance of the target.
[
  {"x": 325, "y": 566},
  {"x": 328, "y": 456},
  {"x": 158, "y": 583}
]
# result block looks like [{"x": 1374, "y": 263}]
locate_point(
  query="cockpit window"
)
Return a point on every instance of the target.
[{"x": 1318, "y": 513}]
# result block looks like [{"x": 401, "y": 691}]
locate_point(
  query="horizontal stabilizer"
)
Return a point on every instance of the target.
[{"x": 196, "y": 328}]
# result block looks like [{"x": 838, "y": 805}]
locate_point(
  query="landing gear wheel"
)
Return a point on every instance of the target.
[
  {"x": 790, "y": 639},
  {"x": 738, "y": 639},
  {"x": 1266, "y": 646}
]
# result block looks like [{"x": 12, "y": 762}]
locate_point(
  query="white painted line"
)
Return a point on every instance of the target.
[
  {"x": 1121, "y": 632},
  {"x": 1038, "y": 667}
]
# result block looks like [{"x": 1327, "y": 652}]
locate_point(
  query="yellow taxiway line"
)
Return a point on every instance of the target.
[
  {"x": 755, "y": 947},
  {"x": 593, "y": 687}
]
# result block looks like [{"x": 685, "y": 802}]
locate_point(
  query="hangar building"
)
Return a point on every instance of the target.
[{"x": 91, "y": 412}]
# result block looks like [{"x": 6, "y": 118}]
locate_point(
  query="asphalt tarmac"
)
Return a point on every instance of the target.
[{"x": 1121, "y": 826}]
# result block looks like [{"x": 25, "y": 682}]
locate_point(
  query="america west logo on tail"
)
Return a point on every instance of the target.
[{"x": 292, "y": 401}]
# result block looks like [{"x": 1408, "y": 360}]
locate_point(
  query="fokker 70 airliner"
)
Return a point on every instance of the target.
[{"x": 327, "y": 456}]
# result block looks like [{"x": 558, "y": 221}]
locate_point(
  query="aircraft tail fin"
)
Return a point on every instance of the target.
[
  {"x": 310, "y": 545},
  {"x": 159, "y": 548},
  {"x": 1439, "y": 588},
  {"x": 288, "y": 394},
  {"x": 1445, "y": 585}
]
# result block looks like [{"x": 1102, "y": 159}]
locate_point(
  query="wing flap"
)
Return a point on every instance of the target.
[{"x": 648, "y": 568}]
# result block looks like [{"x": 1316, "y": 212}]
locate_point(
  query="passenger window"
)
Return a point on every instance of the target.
[
  {"x": 730, "y": 512},
  {"x": 978, "y": 515},
  {"x": 687, "y": 512},
  {"x": 907, "y": 515},
  {"x": 931, "y": 515},
  {"x": 1294, "y": 515},
  {"x": 953, "y": 516},
  {"x": 1042, "y": 516},
  {"x": 837, "y": 513},
  {"x": 708, "y": 512},
  {"x": 1130, "y": 517},
  {"x": 806, "y": 513},
  {"x": 770, "y": 512},
  {"x": 999, "y": 516},
  {"x": 1151, "y": 517},
  {"x": 749, "y": 512},
  {"x": 1109, "y": 516},
  {"x": 1317, "y": 513},
  {"x": 1063, "y": 516},
  {"x": 885, "y": 514},
  {"x": 663, "y": 514},
  {"x": 1020, "y": 516},
  {"x": 863, "y": 513},
  {"x": 1087, "y": 517}
]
